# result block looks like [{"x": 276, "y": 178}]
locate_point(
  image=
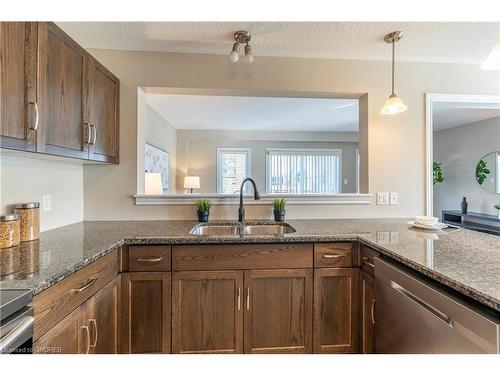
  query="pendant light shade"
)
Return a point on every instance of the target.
[
  {"x": 492, "y": 62},
  {"x": 393, "y": 104}
]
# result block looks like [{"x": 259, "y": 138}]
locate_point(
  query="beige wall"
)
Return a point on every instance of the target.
[
  {"x": 459, "y": 150},
  {"x": 396, "y": 143},
  {"x": 198, "y": 154},
  {"x": 158, "y": 132},
  {"x": 26, "y": 178}
]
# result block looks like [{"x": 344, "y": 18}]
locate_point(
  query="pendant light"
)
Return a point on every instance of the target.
[
  {"x": 492, "y": 62},
  {"x": 393, "y": 104}
]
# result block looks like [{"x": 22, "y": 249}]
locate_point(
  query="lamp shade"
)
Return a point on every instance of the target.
[
  {"x": 192, "y": 182},
  {"x": 393, "y": 105},
  {"x": 152, "y": 183},
  {"x": 492, "y": 62}
]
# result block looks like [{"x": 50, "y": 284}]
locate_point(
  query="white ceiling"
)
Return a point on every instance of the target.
[
  {"x": 461, "y": 42},
  {"x": 451, "y": 115},
  {"x": 256, "y": 113}
]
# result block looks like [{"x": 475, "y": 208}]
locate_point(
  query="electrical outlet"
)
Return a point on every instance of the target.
[
  {"x": 47, "y": 203},
  {"x": 382, "y": 237},
  {"x": 394, "y": 198},
  {"x": 382, "y": 198},
  {"x": 394, "y": 237}
]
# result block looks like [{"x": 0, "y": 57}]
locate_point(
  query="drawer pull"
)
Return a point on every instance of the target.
[
  {"x": 149, "y": 260},
  {"x": 86, "y": 286},
  {"x": 334, "y": 256},
  {"x": 365, "y": 260}
]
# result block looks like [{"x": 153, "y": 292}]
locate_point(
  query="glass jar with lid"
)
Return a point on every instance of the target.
[
  {"x": 29, "y": 214},
  {"x": 9, "y": 230}
]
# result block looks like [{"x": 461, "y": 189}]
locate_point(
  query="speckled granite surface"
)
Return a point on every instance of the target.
[{"x": 466, "y": 261}]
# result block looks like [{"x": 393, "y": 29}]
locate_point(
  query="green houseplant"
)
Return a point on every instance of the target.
[
  {"x": 437, "y": 173},
  {"x": 279, "y": 209},
  {"x": 482, "y": 171},
  {"x": 498, "y": 208},
  {"x": 203, "y": 209}
]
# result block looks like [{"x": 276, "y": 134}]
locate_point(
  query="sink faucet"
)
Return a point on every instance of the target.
[{"x": 256, "y": 195}]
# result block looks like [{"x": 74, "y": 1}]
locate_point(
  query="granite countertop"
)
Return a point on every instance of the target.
[{"x": 464, "y": 260}]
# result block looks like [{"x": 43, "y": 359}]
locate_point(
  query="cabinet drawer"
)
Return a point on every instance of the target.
[
  {"x": 149, "y": 258},
  {"x": 242, "y": 256},
  {"x": 55, "y": 303},
  {"x": 367, "y": 259},
  {"x": 338, "y": 254}
]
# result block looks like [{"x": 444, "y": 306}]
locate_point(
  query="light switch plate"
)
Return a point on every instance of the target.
[
  {"x": 394, "y": 198},
  {"x": 382, "y": 198},
  {"x": 47, "y": 203}
]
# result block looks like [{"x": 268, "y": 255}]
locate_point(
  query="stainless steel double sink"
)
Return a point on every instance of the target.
[{"x": 242, "y": 229}]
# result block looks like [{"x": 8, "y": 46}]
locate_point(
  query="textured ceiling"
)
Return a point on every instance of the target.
[
  {"x": 256, "y": 113},
  {"x": 461, "y": 42}
]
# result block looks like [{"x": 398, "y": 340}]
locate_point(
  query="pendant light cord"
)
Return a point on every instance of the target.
[{"x": 393, "y": 48}]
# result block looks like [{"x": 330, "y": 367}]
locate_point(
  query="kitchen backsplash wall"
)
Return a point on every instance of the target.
[{"x": 26, "y": 178}]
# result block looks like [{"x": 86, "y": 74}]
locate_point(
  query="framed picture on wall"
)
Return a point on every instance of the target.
[{"x": 156, "y": 161}]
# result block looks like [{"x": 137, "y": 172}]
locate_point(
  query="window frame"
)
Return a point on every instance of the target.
[
  {"x": 221, "y": 150},
  {"x": 319, "y": 150}
]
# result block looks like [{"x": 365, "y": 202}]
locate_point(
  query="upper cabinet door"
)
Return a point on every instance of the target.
[
  {"x": 18, "y": 99},
  {"x": 278, "y": 311},
  {"x": 63, "y": 87},
  {"x": 103, "y": 99}
]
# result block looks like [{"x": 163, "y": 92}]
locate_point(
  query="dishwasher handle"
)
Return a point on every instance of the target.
[
  {"x": 17, "y": 335},
  {"x": 443, "y": 317}
]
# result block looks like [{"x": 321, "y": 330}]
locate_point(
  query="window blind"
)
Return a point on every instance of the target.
[{"x": 233, "y": 165}]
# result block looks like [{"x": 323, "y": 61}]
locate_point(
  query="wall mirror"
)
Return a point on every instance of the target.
[
  {"x": 488, "y": 172},
  {"x": 293, "y": 144}
]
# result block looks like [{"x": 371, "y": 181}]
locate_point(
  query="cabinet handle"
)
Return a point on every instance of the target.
[
  {"x": 149, "y": 260},
  {"x": 248, "y": 298},
  {"x": 88, "y": 132},
  {"x": 88, "y": 285},
  {"x": 372, "y": 311},
  {"x": 239, "y": 298},
  {"x": 34, "y": 126},
  {"x": 333, "y": 255},
  {"x": 95, "y": 134},
  {"x": 365, "y": 260},
  {"x": 86, "y": 329},
  {"x": 94, "y": 322}
]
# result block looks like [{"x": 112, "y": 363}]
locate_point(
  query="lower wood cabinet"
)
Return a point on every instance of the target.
[
  {"x": 90, "y": 328},
  {"x": 207, "y": 312},
  {"x": 278, "y": 311},
  {"x": 69, "y": 336},
  {"x": 367, "y": 313},
  {"x": 146, "y": 312},
  {"x": 336, "y": 310}
]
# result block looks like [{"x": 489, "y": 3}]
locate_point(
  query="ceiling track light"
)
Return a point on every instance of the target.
[
  {"x": 241, "y": 37},
  {"x": 393, "y": 104}
]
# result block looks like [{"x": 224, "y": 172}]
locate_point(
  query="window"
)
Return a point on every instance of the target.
[
  {"x": 303, "y": 171},
  {"x": 233, "y": 165}
]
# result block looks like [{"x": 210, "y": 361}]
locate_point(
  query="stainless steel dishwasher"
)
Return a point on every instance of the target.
[{"x": 414, "y": 316}]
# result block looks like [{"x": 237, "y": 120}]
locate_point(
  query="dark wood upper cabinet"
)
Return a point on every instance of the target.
[
  {"x": 46, "y": 75},
  {"x": 18, "y": 95},
  {"x": 335, "y": 310},
  {"x": 64, "y": 87},
  {"x": 103, "y": 100},
  {"x": 146, "y": 312},
  {"x": 207, "y": 312},
  {"x": 278, "y": 311}
]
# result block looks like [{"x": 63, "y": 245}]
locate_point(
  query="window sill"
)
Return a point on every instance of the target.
[{"x": 223, "y": 199}]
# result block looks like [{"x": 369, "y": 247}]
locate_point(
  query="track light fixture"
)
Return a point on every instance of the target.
[{"x": 241, "y": 37}]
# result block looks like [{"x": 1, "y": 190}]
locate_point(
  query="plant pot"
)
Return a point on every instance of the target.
[
  {"x": 202, "y": 216},
  {"x": 279, "y": 215}
]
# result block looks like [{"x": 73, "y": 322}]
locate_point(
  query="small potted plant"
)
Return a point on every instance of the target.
[
  {"x": 203, "y": 209},
  {"x": 279, "y": 209},
  {"x": 498, "y": 208}
]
